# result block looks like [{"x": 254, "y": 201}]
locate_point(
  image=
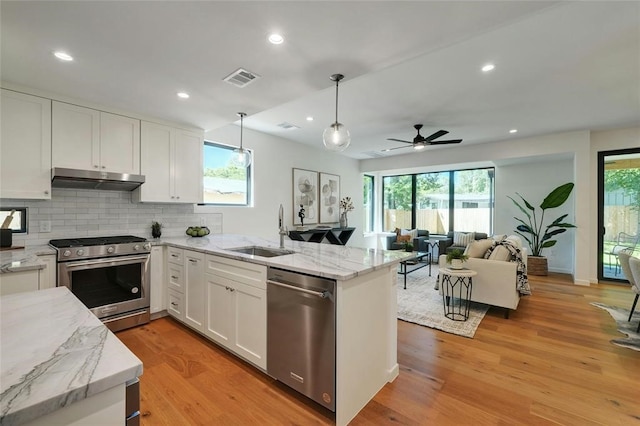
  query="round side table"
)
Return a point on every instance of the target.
[{"x": 456, "y": 292}]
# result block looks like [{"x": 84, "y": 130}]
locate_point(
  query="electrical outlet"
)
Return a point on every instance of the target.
[{"x": 45, "y": 226}]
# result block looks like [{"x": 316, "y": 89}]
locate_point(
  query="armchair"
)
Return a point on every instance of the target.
[{"x": 420, "y": 243}]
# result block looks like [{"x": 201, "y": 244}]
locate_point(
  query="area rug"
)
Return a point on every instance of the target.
[
  {"x": 421, "y": 304},
  {"x": 632, "y": 341}
]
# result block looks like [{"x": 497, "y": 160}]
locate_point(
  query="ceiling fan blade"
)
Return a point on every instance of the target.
[
  {"x": 399, "y": 140},
  {"x": 445, "y": 142},
  {"x": 435, "y": 135}
]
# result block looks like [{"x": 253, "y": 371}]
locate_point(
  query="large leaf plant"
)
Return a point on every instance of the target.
[{"x": 532, "y": 229}]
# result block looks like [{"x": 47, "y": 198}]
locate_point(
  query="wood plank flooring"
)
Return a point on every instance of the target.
[{"x": 550, "y": 363}]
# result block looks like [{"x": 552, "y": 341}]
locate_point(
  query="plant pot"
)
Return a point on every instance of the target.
[
  {"x": 456, "y": 264},
  {"x": 6, "y": 237},
  {"x": 537, "y": 265}
]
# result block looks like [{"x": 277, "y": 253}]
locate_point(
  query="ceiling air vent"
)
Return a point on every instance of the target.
[
  {"x": 374, "y": 154},
  {"x": 287, "y": 126},
  {"x": 241, "y": 77}
]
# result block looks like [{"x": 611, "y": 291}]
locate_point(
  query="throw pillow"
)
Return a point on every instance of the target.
[
  {"x": 463, "y": 238},
  {"x": 500, "y": 253},
  {"x": 478, "y": 248},
  {"x": 403, "y": 238}
]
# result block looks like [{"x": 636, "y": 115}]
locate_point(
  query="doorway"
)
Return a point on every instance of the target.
[{"x": 618, "y": 209}]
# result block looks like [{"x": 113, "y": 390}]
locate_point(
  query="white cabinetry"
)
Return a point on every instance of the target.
[
  {"x": 48, "y": 275},
  {"x": 194, "y": 301},
  {"x": 157, "y": 288},
  {"x": 25, "y": 146},
  {"x": 171, "y": 162},
  {"x": 237, "y": 307},
  {"x": 175, "y": 283},
  {"x": 18, "y": 282},
  {"x": 88, "y": 139}
]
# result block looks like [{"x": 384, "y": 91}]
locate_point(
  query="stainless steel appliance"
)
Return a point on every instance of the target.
[
  {"x": 110, "y": 275},
  {"x": 94, "y": 179},
  {"x": 301, "y": 334}
]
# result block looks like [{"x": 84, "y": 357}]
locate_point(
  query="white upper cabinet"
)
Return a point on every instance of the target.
[
  {"x": 88, "y": 139},
  {"x": 25, "y": 146},
  {"x": 171, "y": 161}
]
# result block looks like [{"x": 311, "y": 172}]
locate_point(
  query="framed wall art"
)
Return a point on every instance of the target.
[
  {"x": 329, "y": 197},
  {"x": 305, "y": 193}
]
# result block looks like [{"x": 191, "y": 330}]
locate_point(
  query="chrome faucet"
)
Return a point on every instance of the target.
[{"x": 282, "y": 228}]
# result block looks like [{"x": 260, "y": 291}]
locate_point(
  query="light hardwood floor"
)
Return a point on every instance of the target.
[{"x": 550, "y": 363}]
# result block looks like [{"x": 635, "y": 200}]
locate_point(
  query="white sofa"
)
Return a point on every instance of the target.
[{"x": 495, "y": 283}]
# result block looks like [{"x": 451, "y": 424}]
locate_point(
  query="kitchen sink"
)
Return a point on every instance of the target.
[{"x": 262, "y": 251}]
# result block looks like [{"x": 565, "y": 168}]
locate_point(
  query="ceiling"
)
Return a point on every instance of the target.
[{"x": 560, "y": 66}]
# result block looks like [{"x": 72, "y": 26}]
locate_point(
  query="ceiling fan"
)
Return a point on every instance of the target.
[{"x": 419, "y": 142}]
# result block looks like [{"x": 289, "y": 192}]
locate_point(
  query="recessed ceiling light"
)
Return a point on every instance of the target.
[
  {"x": 488, "y": 67},
  {"x": 513, "y": 131},
  {"x": 276, "y": 39},
  {"x": 183, "y": 95},
  {"x": 63, "y": 56},
  {"x": 309, "y": 118}
]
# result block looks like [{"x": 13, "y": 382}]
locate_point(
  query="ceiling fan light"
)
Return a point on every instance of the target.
[
  {"x": 418, "y": 146},
  {"x": 336, "y": 137}
]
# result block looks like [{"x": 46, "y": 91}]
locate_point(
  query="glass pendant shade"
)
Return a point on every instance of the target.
[
  {"x": 336, "y": 137},
  {"x": 241, "y": 157}
]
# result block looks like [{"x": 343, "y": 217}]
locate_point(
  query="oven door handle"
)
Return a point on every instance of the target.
[{"x": 92, "y": 263}]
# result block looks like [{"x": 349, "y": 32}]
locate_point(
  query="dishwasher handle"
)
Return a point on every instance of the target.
[{"x": 321, "y": 294}]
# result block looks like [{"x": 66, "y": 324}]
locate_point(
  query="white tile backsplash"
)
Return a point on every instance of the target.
[{"x": 75, "y": 213}]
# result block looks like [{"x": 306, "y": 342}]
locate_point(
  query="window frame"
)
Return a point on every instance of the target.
[
  {"x": 249, "y": 181},
  {"x": 372, "y": 201}
]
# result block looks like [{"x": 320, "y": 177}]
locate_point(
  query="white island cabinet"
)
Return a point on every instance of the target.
[
  {"x": 25, "y": 146},
  {"x": 88, "y": 139},
  {"x": 60, "y": 364},
  {"x": 236, "y": 305}
]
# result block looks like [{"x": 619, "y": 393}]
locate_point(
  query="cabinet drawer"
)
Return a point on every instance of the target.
[
  {"x": 245, "y": 272},
  {"x": 175, "y": 255},
  {"x": 175, "y": 277},
  {"x": 175, "y": 307}
]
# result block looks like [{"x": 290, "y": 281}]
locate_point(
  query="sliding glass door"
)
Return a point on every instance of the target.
[{"x": 619, "y": 209}]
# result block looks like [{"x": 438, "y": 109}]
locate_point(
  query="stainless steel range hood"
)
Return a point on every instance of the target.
[{"x": 90, "y": 179}]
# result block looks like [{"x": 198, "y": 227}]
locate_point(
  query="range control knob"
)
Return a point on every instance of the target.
[
  {"x": 80, "y": 252},
  {"x": 66, "y": 253},
  {"x": 110, "y": 249},
  {"x": 147, "y": 246},
  {"x": 136, "y": 247}
]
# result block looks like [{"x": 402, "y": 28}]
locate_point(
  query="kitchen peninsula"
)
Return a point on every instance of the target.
[
  {"x": 60, "y": 364},
  {"x": 365, "y": 303}
]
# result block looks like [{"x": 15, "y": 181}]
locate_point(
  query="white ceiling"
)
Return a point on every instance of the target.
[{"x": 560, "y": 66}]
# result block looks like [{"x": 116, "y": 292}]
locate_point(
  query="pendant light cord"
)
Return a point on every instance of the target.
[{"x": 337, "y": 82}]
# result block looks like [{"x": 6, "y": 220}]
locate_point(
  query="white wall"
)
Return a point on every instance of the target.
[
  {"x": 274, "y": 160},
  {"x": 546, "y": 175}
]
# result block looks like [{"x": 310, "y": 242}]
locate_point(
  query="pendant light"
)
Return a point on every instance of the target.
[
  {"x": 241, "y": 157},
  {"x": 336, "y": 137}
]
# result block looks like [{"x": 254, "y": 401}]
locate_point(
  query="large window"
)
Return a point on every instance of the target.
[
  {"x": 224, "y": 184},
  {"x": 368, "y": 203},
  {"x": 439, "y": 202}
]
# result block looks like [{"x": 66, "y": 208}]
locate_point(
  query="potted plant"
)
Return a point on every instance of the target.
[
  {"x": 408, "y": 246},
  {"x": 534, "y": 231},
  {"x": 156, "y": 229},
  {"x": 456, "y": 258}
]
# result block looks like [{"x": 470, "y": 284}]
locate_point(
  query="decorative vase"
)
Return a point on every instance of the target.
[
  {"x": 156, "y": 233},
  {"x": 343, "y": 220}
]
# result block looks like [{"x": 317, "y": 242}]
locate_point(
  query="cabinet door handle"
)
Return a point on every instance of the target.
[
  {"x": 174, "y": 255},
  {"x": 46, "y": 192},
  {"x": 174, "y": 304},
  {"x": 193, "y": 260},
  {"x": 104, "y": 167}
]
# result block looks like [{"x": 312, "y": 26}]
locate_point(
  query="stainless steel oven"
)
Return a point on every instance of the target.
[{"x": 110, "y": 275}]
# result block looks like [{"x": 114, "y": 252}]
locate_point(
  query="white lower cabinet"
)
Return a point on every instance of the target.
[
  {"x": 194, "y": 300},
  {"x": 48, "y": 275},
  {"x": 175, "y": 304},
  {"x": 237, "y": 307},
  {"x": 157, "y": 288}
]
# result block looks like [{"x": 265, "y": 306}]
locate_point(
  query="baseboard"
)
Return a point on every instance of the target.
[
  {"x": 393, "y": 373},
  {"x": 159, "y": 314}
]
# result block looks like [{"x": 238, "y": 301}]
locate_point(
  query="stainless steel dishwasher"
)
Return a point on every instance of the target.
[{"x": 301, "y": 334}]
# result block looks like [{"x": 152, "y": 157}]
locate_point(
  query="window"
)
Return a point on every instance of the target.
[
  {"x": 439, "y": 202},
  {"x": 224, "y": 184},
  {"x": 368, "y": 203},
  {"x": 18, "y": 221}
]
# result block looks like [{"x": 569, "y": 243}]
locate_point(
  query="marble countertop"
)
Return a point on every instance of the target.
[
  {"x": 24, "y": 259},
  {"x": 324, "y": 260},
  {"x": 54, "y": 352}
]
